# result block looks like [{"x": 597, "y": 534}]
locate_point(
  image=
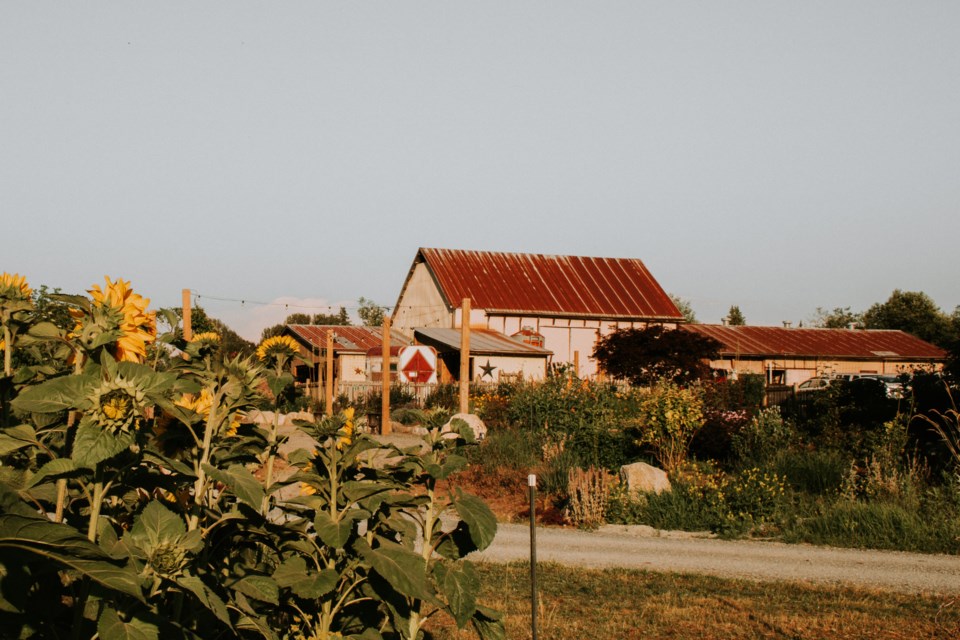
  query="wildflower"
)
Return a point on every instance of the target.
[{"x": 277, "y": 347}]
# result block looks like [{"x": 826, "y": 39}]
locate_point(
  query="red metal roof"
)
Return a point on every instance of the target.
[
  {"x": 565, "y": 286},
  {"x": 346, "y": 338},
  {"x": 838, "y": 343}
]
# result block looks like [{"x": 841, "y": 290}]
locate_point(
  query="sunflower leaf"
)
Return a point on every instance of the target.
[
  {"x": 111, "y": 627},
  {"x": 243, "y": 484},
  {"x": 54, "y": 395},
  {"x": 94, "y": 444}
]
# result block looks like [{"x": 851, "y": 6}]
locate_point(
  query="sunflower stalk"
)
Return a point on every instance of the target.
[
  {"x": 200, "y": 484},
  {"x": 271, "y": 456},
  {"x": 7, "y": 351},
  {"x": 71, "y": 420}
]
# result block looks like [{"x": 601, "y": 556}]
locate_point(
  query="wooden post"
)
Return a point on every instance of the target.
[
  {"x": 385, "y": 379},
  {"x": 187, "y": 329},
  {"x": 576, "y": 364},
  {"x": 465, "y": 356},
  {"x": 328, "y": 381}
]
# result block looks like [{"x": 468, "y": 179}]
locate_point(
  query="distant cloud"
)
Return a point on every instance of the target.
[{"x": 250, "y": 319}]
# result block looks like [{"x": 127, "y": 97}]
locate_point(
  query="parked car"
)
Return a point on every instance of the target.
[
  {"x": 892, "y": 384},
  {"x": 814, "y": 384}
]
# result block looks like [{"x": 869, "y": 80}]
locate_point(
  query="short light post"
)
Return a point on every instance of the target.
[{"x": 532, "y": 484}]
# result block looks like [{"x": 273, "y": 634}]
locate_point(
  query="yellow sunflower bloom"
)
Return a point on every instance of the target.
[
  {"x": 277, "y": 346},
  {"x": 13, "y": 286},
  {"x": 201, "y": 403},
  {"x": 206, "y": 336},
  {"x": 347, "y": 430},
  {"x": 137, "y": 324}
]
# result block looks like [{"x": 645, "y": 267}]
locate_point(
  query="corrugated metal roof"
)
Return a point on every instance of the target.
[
  {"x": 534, "y": 284},
  {"x": 834, "y": 343},
  {"x": 482, "y": 342},
  {"x": 346, "y": 338}
]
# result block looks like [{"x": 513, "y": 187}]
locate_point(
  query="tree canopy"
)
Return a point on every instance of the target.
[
  {"x": 231, "y": 342},
  {"x": 837, "y": 318},
  {"x": 684, "y": 307},
  {"x": 340, "y": 319},
  {"x": 644, "y": 356},
  {"x": 915, "y": 313},
  {"x": 735, "y": 317},
  {"x": 371, "y": 314}
]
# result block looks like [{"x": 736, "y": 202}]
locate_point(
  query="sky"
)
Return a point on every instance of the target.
[{"x": 777, "y": 156}]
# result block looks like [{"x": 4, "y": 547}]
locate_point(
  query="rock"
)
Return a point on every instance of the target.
[
  {"x": 479, "y": 429},
  {"x": 641, "y": 477}
]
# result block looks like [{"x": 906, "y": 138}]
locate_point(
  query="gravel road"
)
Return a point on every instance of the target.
[{"x": 641, "y": 547}]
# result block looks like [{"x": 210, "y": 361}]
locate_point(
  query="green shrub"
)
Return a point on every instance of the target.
[
  {"x": 812, "y": 472},
  {"x": 587, "y": 418},
  {"x": 706, "y": 499},
  {"x": 760, "y": 440},
  {"x": 669, "y": 417},
  {"x": 877, "y": 525},
  {"x": 509, "y": 449}
]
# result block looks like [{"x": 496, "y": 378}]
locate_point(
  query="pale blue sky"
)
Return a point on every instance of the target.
[{"x": 775, "y": 155}]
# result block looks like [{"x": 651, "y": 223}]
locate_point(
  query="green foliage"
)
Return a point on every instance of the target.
[
  {"x": 585, "y": 418},
  {"x": 644, "y": 356},
  {"x": 838, "y": 318},
  {"x": 762, "y": 439},
  {"x": 817, "y": 473},
  {"x": 685, "y": 308},
  {"x": 340, "y": 319},
  {"x": 735, "y": 317},
  {"x": 877, "y": 525},
  {"x": 371, "y": 314},
  {"x": 707, "y": 500},
  {"x": 913, "y": 312},
  {"x": 139, "y": 504},
  {"x": 669, "y": 417}
]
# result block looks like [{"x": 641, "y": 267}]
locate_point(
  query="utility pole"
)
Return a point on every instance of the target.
[
  {"x": 385, "y": 427},
  {"x": 187, "y": 329},
  {"x": 328, "y": 386},
  {"x": 465, "y": 356}
]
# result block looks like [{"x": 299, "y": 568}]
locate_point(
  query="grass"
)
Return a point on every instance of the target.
[{"x": 577, "y": 603}]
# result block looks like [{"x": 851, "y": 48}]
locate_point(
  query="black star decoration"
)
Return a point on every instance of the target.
[{"x": 487, "y": 369}]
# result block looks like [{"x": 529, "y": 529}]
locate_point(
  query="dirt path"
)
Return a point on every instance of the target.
[{"x": 644, "y": 548}]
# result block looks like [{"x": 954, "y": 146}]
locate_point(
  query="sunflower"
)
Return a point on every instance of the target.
[
  {"x": 277, "y": 347},
  {"x": 117, "y": 405},
  {"x": 208, "y": 337},
  {"x": 347, "y": 430},
  {"x": 13, "y": 286},
  {"x": 201, "y": 403},
  {"x": 117, "y": 308}
]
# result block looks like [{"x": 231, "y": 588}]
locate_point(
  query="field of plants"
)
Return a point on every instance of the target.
[
  {"x": 846, "y": 466},
  {"x": 136, "y": 501}
]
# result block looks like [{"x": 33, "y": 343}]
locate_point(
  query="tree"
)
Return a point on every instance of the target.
[
  {"x": 340, "y": 319},
  {"x": 644, "y": 356},
  {"x": 684, "y": 307},
  {"x": 838, "y": 318},
  {"x": 735, "y": 317},
  {"x": 913, "y": 312},
  {"x": 232, "y": 343},
  {"x": 371, "y": 314}
]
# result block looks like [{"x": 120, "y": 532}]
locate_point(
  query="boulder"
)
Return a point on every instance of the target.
[
  {"x": 479, "y": 429},
  {"x": 641, "y": 477}
]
